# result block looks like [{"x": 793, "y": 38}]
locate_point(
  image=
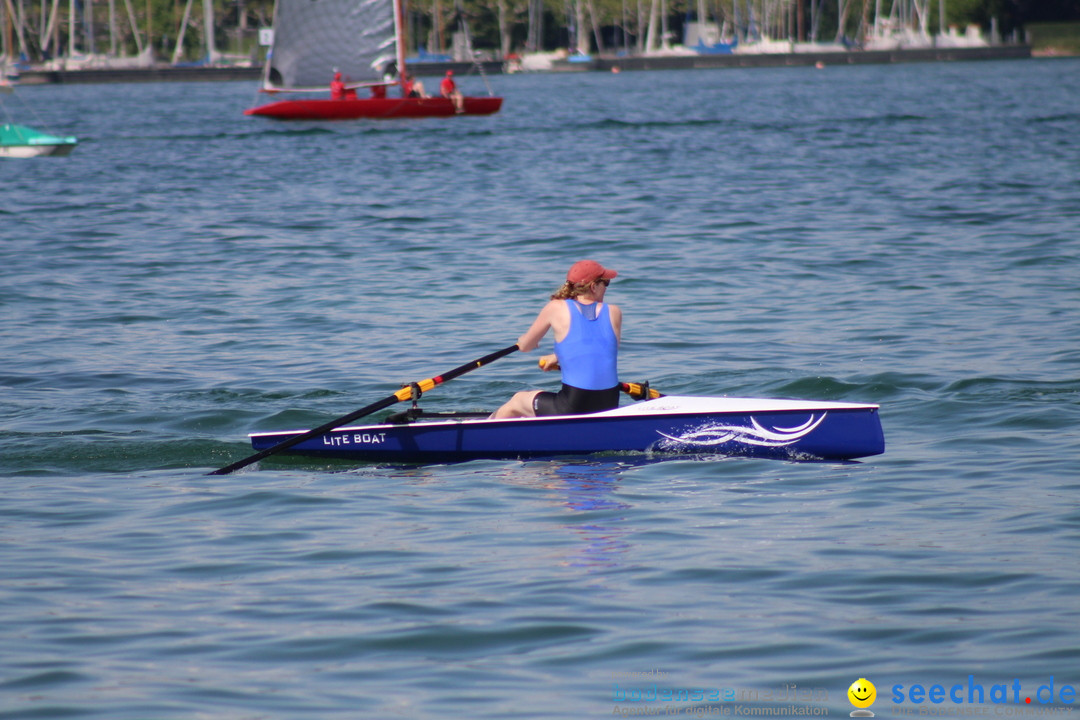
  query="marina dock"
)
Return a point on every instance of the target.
[{"x": 601, "y": 63}]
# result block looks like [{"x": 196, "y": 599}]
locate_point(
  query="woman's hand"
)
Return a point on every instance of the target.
[{"x": 549, "y": 363}]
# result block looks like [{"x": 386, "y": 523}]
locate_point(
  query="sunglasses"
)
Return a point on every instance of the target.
[{"x": 604, "y": 281}]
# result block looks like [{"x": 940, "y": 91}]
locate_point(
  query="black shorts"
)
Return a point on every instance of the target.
[{"x": 575, "y": 401}]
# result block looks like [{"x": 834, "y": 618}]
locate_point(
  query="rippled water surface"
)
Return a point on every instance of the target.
[{"x": 904, "y": 235}]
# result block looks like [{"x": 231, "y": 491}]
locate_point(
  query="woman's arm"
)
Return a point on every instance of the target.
[{"x": 616, "y": 321}]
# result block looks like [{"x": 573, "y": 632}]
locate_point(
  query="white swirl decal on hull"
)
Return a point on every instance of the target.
[{"x": 719, "y": 434}]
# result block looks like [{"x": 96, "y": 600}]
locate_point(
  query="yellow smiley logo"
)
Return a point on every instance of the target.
[{"x": 862, "y": 693}]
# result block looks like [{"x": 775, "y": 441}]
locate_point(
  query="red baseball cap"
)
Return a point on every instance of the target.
[{"x": 588, "y": 271}]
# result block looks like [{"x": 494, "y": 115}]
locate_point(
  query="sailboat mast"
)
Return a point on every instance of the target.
[
  {"x": 208, "y": 23},
  {"x": 399, "y": 34}
]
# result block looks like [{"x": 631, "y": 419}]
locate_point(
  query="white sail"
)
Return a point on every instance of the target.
[{"x": 313, "y": 38}]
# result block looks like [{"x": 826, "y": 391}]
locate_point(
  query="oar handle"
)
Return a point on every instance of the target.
[
  {"x": 405, "y": 393},
  {"x": 640, "y": 391}
]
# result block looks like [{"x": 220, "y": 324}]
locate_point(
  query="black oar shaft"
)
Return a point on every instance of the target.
[{"x": 404, "y": 393}]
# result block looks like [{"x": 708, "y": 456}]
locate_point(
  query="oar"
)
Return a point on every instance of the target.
[{"x": 405, "y": 393}]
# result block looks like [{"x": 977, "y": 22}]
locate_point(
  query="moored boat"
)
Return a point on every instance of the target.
[
  {"x": 20, "y": 141},
  {"x": 668, "y": 425}
]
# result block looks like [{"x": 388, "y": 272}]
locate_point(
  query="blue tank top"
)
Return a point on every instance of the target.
[{"x": 588, "y": 355}]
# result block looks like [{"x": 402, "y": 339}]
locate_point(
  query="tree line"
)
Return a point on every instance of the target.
[{"x": 41, "y": 29}]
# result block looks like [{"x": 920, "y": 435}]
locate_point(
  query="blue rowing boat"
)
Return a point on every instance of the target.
[{"x": 666, "y": 426}]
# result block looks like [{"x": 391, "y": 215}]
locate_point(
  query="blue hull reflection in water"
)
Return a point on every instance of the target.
[{"x": 595, "y": 514}]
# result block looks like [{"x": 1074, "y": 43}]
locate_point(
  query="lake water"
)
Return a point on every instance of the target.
[{"x": 905, "y": 235}]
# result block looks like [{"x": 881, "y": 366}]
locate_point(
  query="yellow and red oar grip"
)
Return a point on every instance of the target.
[
  {"x": 406, "y": 392},
  {"x": 640, "y": 391}
]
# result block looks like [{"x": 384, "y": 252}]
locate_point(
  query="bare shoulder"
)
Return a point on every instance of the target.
[{"x": 555, "y": 308}]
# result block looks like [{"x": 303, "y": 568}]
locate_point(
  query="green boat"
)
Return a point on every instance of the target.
[{"x": 19, "y": 141}]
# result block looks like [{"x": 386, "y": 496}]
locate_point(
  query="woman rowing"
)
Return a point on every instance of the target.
[{"x": 587, "y": 333}]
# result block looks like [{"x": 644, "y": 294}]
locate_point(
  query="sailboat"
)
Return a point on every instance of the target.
[{"x": 363, "y": 41}]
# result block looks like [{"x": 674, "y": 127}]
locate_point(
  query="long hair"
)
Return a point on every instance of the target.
[{"x": 571, "y": 290}]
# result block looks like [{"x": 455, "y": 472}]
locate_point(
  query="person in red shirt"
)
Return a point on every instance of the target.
[
  {"x": 411, "y": 87},
  {"x": 448, "y": 89},
  {"x": 337, "y": 88}
]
